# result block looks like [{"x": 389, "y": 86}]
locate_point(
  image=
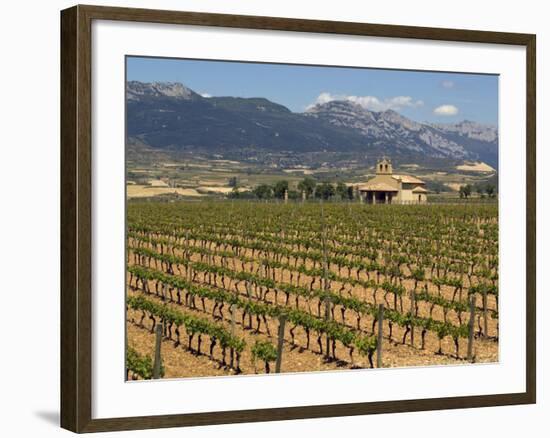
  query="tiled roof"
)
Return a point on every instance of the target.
[
  {"x": 419, "y": 190},
  {"x": 377, "y": 187}
]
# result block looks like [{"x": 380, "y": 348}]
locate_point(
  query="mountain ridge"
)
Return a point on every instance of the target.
[{"x": 169, "y": 115}]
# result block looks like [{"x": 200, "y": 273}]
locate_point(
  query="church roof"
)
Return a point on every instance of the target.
[
  {"x": 377, "y": 187},
  {"x": 408, "y": 179}
]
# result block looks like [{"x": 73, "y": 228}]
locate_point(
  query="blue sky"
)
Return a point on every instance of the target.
[{"x": 421, "y": 96}]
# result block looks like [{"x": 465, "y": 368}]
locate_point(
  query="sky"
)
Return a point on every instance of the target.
[{"x": 436, "y": 97}]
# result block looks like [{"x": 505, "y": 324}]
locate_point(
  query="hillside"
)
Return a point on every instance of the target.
[{"x": 172, "y": 117}]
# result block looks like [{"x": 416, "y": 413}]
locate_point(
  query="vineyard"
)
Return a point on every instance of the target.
[{"x": 247, "y": 287}]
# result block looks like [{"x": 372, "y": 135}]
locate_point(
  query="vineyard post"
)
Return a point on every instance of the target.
[
  {"x": 485, "y": 329},
  {"x": 156, "y": 364},
  {"x": 327, "y": 318},
  {"x": 380, "y": 336},
  {"x": 249, "y": 294},
  {"x": 280, "y": 340},
  {"x": 471, "y": 328},
  {"x": 325, "y": 272},
  {"x": 232, "y": 308},
  {"x": 412, "y": 316}
]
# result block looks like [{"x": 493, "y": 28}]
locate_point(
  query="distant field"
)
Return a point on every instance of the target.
[
  {"x": 212, "y": 177},
  {"x": 476, "y": 167},
  {"x": 141, "y": 191}
]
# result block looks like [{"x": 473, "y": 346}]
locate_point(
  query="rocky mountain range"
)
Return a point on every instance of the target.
[{"x": 171, "y": 116}]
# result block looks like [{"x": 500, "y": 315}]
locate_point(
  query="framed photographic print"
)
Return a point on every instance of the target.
[{"x": 341, "y": 214}]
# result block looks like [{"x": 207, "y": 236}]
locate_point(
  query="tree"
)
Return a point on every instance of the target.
[
  {"x": 480, "y": 190},
  {"x": 280, "y": 188},
  {"x": 263, "y": 191},
  {"x": 294, "y": 194},
  {"x": 465, "y": 191},
  {"x": 233, "y": 182},
  {"x": 342, "y": 191},
  {"x": 490, "y": 190},
  {"x": 307, "y": 185},
  {"x": 240, "y": 194},
  {"x": 325, "y": 191}
]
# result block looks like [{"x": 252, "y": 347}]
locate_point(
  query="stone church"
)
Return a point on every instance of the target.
[{"x": 388, "y": 188}]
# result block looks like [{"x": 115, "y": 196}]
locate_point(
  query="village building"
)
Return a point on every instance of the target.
[{"x": 388, "y": 188}]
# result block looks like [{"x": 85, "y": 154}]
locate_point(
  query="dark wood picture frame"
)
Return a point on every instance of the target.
[{"x": 76, "y": 218}]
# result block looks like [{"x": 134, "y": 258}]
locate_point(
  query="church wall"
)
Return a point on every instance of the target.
[{"x": 406, "y": 195}]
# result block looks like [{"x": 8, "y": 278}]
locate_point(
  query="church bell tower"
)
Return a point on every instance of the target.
[{"x": 383, "y": 167}]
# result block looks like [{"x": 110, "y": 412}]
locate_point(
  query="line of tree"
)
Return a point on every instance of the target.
[
  {"x": 482, "y": 190},
  {"x": 488, "y": 190},
  {"x": 308, "y": 187}
]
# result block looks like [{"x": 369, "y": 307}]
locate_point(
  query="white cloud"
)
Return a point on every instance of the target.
[
  {"x": 205, "y": 95},
  {"x": 372, "y": 103},
  {"x": 447, "y": 84},
  {"x": 323, "y": 98},
  {"x": 446, "y": 110}
]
